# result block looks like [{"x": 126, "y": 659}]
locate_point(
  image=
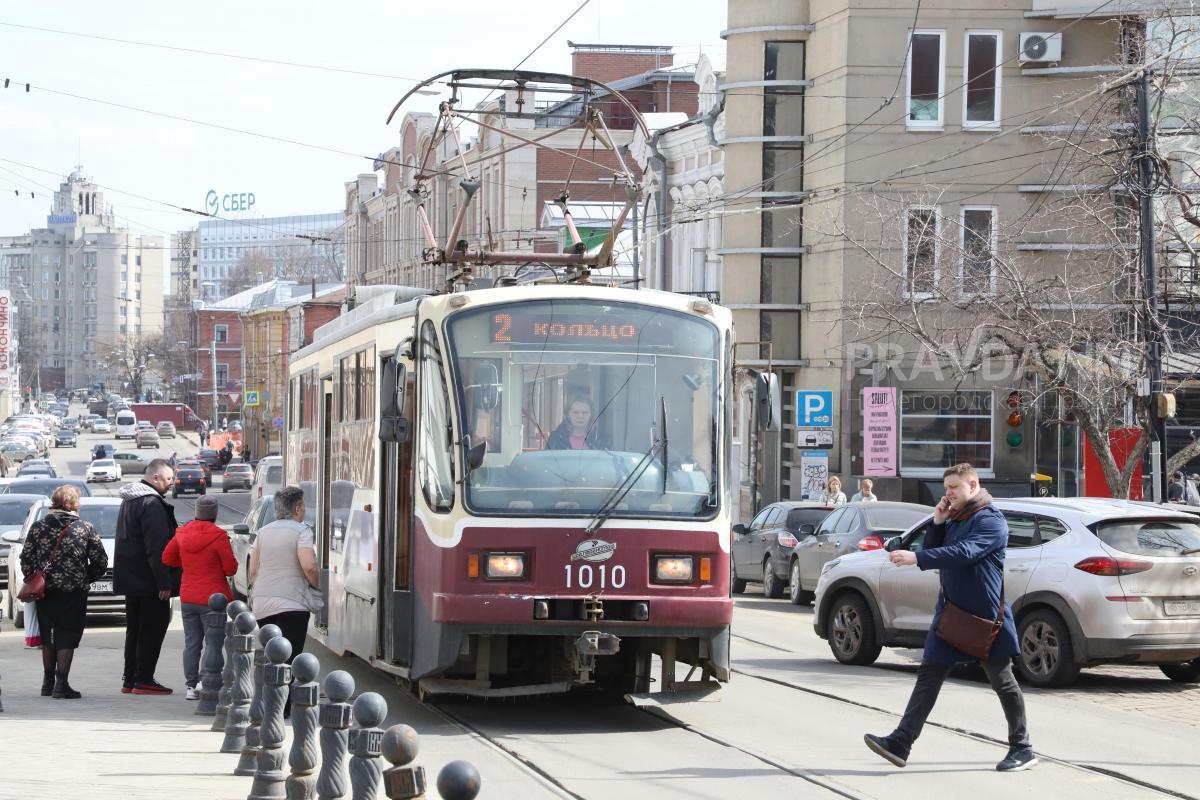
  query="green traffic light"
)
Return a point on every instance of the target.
[{"x": 1014, "y": 438}]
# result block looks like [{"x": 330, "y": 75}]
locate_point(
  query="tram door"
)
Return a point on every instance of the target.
[
  {"x": 395, "y": 483},
  {"x": 323, "y": 532}
]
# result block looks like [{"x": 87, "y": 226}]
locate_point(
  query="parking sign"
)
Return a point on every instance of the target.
[{"x": 814, "y": 409}]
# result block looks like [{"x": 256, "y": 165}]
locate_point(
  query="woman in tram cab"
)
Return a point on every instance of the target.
[{"x": 575, "y": 431}]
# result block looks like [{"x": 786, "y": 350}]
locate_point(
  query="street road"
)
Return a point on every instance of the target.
[{"x": 789, "y": 724}]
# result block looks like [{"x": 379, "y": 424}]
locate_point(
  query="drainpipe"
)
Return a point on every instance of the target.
[{"x": 660, "y": 247}]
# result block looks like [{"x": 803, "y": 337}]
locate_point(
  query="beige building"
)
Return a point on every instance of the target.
[
  {"x": 81, "y": 284},
  {"x": 853, "y": 131}
]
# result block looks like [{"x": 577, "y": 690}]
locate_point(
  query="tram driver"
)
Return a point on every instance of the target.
[{"x": 576, "y": 431}]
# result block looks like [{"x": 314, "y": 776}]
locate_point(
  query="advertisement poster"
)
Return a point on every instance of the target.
[
  {"x": 814, "y": 467},
  {"x": 879, "y": 431}
]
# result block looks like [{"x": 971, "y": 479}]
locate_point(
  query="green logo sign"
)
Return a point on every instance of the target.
[{"x": 215, "y": 203}]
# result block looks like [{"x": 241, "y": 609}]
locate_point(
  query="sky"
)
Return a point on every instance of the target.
[{"x": 143, "y": 161}]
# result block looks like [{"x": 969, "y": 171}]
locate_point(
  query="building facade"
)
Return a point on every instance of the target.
[
  {"x": 238, "y": 254},
  {"x": 85, "y": 288}
]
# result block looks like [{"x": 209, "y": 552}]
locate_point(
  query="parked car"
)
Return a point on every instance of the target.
[
  {"x": 13, "y": 509},
  {"x": 189, "y": 479},
  {"x": 166, "y": 430},
  {"x": 146, "y": 437},
  {"x": 192, "y": 463},
  {"x": 1091, "y": 581},
  {"x": 762, "y": 550},
  {"x": 857, "y": 526},
  {"x": 44, "y": 486},
  {"x": 237, "y": 476},
  {"x": 101, "y": 512},
  {"x": 262, "y": 512},
  {"x": 131, "y": 462},
  {"x": 268, "y": 476},
  {"x": 66, "y": 437},
  {"x": 15, "y": 452},
  {"x": 103, "y": 469},
  {"x": 29, "y": 470},
  {"x": 102, "y": 426}
]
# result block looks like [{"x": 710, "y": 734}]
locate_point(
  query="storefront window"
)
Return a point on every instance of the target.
[{"x": 942, "y": 428}]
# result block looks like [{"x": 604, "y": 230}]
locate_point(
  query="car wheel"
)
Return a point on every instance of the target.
[
  {"x": 1187, "y": 672},
  {"x": 852, "y": 635},
  {"x": 798, "y": 596},
  {"x": 770, "y": 584},
  {"x": 736, "y": 584},
  {"x": 175, "y": 495},
  {"x": 224, "y": 489},
  {"x": 1046, "y": 659}
]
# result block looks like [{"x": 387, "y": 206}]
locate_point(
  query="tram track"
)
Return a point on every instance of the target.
[{"x": 957, "y": 731}]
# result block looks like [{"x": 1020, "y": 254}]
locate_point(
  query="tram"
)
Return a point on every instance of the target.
[{"x": 520, "y": 489}]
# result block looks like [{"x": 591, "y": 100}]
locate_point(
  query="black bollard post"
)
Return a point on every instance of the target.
[
  {"x": 459, "y": 780},
  {"x": 306, "y": 693},
  {"x": 335, "y": 719},
  {"x": 400, "y": 748},
  {"x": 238, "y": 717},
  {"x": 269, "y": 778},
  {"x": 366, "y": 746},
  {"x": 248, "y": 763},
  {"x": 227, "y": 673},
  {"x": 213, "y": 659}
]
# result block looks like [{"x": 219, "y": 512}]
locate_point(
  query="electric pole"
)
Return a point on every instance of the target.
[
  {"x": 1147, "y": 184},
  {"x": 212, "y": 351}
]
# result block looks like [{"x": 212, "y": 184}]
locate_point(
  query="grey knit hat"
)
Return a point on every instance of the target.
[{"x": 206, "y": 509}]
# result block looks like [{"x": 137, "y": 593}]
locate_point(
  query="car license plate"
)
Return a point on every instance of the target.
[
  {"x": 1182, "y": 608},
  {"x": 102, "y": 586}
]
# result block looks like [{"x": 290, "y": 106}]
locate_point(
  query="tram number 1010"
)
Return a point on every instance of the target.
[{"x": 598, "y": 576}]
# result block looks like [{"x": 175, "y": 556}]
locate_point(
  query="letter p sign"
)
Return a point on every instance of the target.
[{"x": 814, "y": 409}]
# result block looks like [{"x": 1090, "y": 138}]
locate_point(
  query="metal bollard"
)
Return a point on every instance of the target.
[
  {"x": 238, "y": 717},
  {"x": 227, "y": 674},
  {"x": 335, "y": 719},
  {"x": 366, "y": 746},
  {"x": 459, "y": 780},
  {"x": 400, "y": 748},
  {"x": 269, "y": 778},
  {"x": 306, "y": 693},
  {"x": 214, "y": 657},
  {"x": 248, "y": 763}
]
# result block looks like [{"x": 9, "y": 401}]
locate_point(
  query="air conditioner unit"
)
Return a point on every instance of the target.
[{"x": 1041, "y": 47}]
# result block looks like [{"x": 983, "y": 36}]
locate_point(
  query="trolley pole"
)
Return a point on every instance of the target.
[
  {"x": 212, "y": 353},
  {"x": 1146, "y": 183}
]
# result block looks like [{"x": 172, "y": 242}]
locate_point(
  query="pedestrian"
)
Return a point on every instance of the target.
[
  {"x": 71, "y": 555},
  {"x": 833, "y": 492},
  {"x": 865, "y": 493},
  {"x": 966, "y": 544},
  {"x": 1191, "y": 490},
  {"x": 283, "y": 570},
  {"x": 1175, "y": 487},
  {"x": 203, "y": 551},
  {"x": 145, "y": 524}
]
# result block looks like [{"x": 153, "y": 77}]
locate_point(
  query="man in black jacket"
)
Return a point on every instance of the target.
[{"x": 145, "y": 524}]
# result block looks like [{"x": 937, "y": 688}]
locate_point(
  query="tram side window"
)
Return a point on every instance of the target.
[{"x": 436, "y": 468}]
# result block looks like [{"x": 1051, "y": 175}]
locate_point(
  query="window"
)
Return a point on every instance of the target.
[
  {"x": 137, "y": 260},
  {"x": 1022, "y": 530},
  {"x": 926, "y": 74},
  {"x": 978, "y": 245},
  {"x": 760, "y": 521},
  {"x": 942, "y": 428},
  {"x": 846, "y": 521},
  {"x": 222, "y": 374},
  {"x": 221, "y": 334},
  {"x": 124, "y": 260},
  {"x": 435, "y": 466},
  {"x": 921, "y": 251},
  {"x": 981, "y": 62},
  {"x": 830, "y": 521},
  {"x": 1050, "y": 529}
]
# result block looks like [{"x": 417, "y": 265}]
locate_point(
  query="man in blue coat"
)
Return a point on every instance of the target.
[{"x": 966, "y": 543}]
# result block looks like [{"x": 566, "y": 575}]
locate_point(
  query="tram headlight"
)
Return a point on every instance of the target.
[
  {"x": 673, "y": 569},
  {"x": 506, "y": 565}
]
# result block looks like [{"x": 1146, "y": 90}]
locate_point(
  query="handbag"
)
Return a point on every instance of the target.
[
  {"x": 34, "y": 586},
  {"x": 966, "y": 632}
]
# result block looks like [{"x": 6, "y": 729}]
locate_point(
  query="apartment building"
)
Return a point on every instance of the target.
[
  {"x": 83, "y": 286},
  {"x": 893, "y": 147}
]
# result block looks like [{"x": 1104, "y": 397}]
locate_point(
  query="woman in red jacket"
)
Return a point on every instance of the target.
[{"x": 204, "y": 552}]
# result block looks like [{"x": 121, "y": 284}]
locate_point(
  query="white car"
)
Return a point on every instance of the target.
[
  {"x": 103, "y": 469},
  {"x": 101, "y": 426},
  {"x": 1090, "y": 581}
]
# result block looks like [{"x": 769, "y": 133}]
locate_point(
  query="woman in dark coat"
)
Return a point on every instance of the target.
[
  {"x": 80, "y": 559},
  {"x": 576, "y": 431},
  {"x": 966, "y": 544}
]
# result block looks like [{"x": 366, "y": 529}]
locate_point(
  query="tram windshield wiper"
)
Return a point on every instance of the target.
[{"x": 623, "y": 488}]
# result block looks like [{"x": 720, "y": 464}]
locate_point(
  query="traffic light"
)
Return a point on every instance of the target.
[{"x": 1014, "y": 437}]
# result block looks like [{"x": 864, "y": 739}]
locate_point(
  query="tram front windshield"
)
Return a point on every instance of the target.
[{"x": 566, "y": 400}]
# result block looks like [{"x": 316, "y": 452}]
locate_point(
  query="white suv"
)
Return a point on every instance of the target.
[{"x": 1090, "y": 580}]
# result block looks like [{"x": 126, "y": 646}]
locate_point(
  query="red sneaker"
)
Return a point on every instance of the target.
[
  {"x": 150, "y": 687},
  {"x": 127, "y": 688}
]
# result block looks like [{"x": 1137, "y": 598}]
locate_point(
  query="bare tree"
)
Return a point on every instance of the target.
[
  {"x": 135, "y": 356},
  {"x": 253, "y": 268}
]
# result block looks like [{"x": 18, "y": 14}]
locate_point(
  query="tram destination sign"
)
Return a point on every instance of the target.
[{"x": 546, "y": 327}]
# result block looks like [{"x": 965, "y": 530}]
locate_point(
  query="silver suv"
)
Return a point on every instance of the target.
[{"x": 1090, "y": 580}]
